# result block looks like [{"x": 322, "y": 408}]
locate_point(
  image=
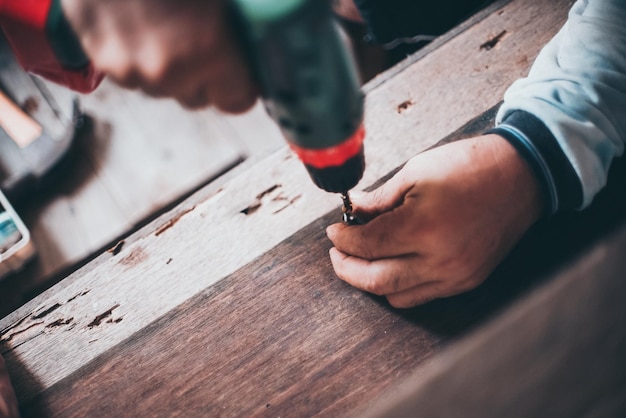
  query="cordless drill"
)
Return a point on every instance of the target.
[
  {"x": 300, "y": 57},
  {"x": 310, "y": 85}
]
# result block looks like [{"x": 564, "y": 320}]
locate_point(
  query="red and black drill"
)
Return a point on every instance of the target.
[{"x": 301, "y": 58}]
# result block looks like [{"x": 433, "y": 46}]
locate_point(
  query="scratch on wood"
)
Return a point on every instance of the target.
[
  {"x": 60, "y": 322},
  {"x": 405, "y": 105},
  {"x": 115, "y": 250},
  {"x": 493, "y": 41},
  {"x": 167, "y": 225},
  {"x": 136, "y": 257},
  {"x": 268, "y": 191},
  {"x": 282, "y": 208},
  {"x": 46, "y": 311},
  {"x": 78, "y": 295},
  {"x": 251, "y": 209},
  {"x": 289, "y": 203},
  {"x": 280, "y": 198},
  {"x": 254, "y": 206},
  {"x": 104, "y": 315},
  {"x": 8, "y": 333},
  {"x": 34, "y": 324},
  {"x": 15, "y": 324},
  {"x": 8, "y": 338}
]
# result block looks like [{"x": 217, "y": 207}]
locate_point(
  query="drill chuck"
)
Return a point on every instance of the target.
[
  {"x": 339, "y": 179},
  {"x": 335, "y": 169}
]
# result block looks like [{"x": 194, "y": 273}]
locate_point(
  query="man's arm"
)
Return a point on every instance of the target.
[
  {"x": 443, "y": 223},
  {"x": 567, "y": 117}
]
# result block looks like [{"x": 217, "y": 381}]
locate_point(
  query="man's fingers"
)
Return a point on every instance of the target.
[
  {"x": 369, "y": 241},
  {"x": 383, "y": 199},
  {"x": 394, "y": 278},
  {"x": 380, "y": 277},
  {"x": 391, "y": 234},
  {"x": 221, "y": 80},
  {"x": 223, "y": 83},
  {"x": 208, "y": 69},
  {"x": 233, "y": 91},
  {"x": 417, "y": 295}
]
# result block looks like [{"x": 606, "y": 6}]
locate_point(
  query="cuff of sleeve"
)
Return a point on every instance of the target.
[{"x": 533, "y": 140}]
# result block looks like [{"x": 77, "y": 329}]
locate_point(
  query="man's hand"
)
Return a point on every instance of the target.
[
  {"x": 348, "y": 10},
  {"x": 169, "y": 48},
  {"x": 441, "y": 225}
]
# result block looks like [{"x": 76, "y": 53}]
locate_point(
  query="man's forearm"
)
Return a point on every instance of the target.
[{"x": 567, "y": 116}]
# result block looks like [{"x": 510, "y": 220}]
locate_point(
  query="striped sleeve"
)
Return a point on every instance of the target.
[{"x": 568, "y": 116}]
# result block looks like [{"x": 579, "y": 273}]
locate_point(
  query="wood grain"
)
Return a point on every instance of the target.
[{"x": 155, "y": 274}]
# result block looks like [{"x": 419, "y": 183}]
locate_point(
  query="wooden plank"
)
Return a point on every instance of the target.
[{"x": 215, "y": 238}]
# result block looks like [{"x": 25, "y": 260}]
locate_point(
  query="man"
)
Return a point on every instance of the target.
[{"x": 443, "y": 223}]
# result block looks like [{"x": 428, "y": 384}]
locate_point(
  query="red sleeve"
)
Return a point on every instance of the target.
[{"x": 24, "y": 25}]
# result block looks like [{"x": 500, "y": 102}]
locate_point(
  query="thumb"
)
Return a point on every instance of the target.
[{"x": 368, "y": 205}]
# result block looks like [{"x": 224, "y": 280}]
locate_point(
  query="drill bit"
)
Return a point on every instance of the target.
[{"x": 348, "y": 217}]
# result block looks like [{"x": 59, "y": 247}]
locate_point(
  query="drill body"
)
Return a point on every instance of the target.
[{"x": 310, "y": 85}]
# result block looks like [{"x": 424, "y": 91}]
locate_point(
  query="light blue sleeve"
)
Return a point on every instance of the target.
[{"x": 577, "y": 89}]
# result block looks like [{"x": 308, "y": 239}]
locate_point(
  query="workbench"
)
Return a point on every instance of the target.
[{"x": 227, "y": 305}]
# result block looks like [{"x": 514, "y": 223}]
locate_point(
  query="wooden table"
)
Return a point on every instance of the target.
[{"x": 228, "y": 305}]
